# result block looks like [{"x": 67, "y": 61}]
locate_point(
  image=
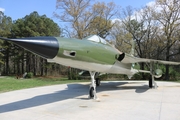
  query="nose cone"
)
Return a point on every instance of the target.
[{"x": 46, "y": 47}]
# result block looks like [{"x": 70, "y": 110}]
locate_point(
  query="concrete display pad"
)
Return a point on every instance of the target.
[{"x": 125, "y": 100}]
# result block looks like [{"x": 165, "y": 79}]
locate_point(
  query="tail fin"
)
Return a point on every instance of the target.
[{"x": 132, "y": 52}]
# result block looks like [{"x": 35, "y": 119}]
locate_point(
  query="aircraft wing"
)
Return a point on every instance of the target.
[{"x": 131, "y": 59}]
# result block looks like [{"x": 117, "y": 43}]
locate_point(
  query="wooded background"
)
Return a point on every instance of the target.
[{"x": 154, "y": 28}]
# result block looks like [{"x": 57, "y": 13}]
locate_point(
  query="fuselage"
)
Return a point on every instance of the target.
[{"x": 90, "y": 55}]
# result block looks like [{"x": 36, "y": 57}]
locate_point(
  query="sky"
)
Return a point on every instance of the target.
[{"x": 20, "y": 8}]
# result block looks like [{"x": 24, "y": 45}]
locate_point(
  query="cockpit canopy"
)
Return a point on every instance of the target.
[{"x": 96, "y": 38}]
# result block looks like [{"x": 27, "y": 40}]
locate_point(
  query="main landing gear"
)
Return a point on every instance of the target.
[
  {"x": 98, "y": 82},
  {"x": 152, "y": 82},
  {"x": 94, "y": 83}
]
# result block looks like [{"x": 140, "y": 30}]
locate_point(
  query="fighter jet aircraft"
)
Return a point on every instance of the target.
[{"x": 93, "y": 54}]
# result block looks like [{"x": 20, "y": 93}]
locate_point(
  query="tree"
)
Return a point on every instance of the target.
[
  {"x": 5, "y": 31},
  {"x": 168, "y": 17},
  {"x": 121, "y": 37},
  {"x": 35, "y": 25},
  {"x": 137, "y": 25},
  {"x": 154, "y": 28},
  {"x": 30, "y": 26},
  {"x": 85, "y": 19}
]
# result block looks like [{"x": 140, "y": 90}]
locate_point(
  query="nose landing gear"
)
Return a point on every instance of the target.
[{"x": 94, "y": 83}]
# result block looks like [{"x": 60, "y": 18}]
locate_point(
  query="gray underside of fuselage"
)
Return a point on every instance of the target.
[{"x": 117, "y": 68}]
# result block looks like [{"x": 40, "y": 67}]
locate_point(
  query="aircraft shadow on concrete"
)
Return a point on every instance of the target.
[
  {"x": 72, "y": 91},
  {"x": 119, "y": 86}
]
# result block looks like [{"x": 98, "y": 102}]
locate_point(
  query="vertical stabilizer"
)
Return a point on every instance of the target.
[{"x": 132, "y": 52}]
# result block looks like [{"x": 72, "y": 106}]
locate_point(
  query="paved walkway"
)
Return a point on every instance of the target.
[{"x": 127, "y": 100}]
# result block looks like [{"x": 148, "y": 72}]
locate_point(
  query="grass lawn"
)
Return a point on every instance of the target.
[{"x": 11, "y": 83}]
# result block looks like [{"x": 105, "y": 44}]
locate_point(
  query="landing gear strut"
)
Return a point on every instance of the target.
[
  {"x": 152, "y": 82},
  {"x": 92, "y": 89},
  {"x": 98, "y": 82}
]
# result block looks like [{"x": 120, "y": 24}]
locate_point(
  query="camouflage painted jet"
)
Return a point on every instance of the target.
[{"x": 93, "y": 54}]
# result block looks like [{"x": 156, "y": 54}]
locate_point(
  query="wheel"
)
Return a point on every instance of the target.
[
  {"x": 91, "y": 92},
  {"x": 98, "y": 82},
  {"x": 150, "y": 83}
]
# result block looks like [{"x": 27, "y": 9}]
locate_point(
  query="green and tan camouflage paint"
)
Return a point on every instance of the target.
[{"x": 87, "y": 51}]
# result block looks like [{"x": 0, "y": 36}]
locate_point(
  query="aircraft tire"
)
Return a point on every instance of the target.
[
  {"x": 91, "y": 92},
  {"x": 150, "y": 83},
  {"x": 98, "y": 82}
]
